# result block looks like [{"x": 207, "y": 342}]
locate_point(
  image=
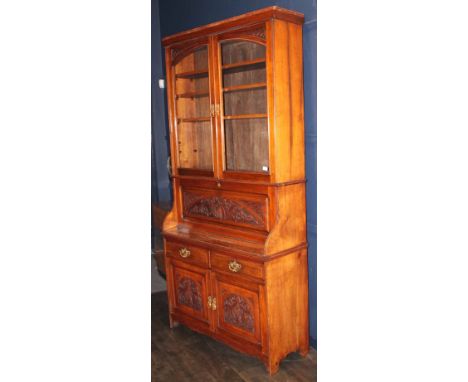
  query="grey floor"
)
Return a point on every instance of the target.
[{"x": 158, "y": 284}]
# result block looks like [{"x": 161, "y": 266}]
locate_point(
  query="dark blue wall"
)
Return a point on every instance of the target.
[
  {"x": 179, "y": 15},
  {"x": 160, "y": 185}
]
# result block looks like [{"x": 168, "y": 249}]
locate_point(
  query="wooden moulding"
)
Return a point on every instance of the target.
[{"x": 264, "y": 14}]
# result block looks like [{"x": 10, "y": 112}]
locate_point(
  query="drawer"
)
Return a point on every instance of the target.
[
  {"x": 188, "y": 253},
  {"x": 235, "y": 265}
]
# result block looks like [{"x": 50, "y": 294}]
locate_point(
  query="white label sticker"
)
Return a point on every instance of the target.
[{"x": 265, "y": 168}]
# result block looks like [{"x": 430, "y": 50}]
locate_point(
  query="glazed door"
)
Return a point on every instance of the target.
[
  {"x": 237, "y": 307},
  {"x": 242, "y": 86},
  {"x": 193, "y": 111},
  {"x": 189, "y": 285}
]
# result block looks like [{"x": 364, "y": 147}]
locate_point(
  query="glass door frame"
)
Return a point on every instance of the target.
[
  {"x": 174, "y": 55},
  {"x": 247, "y": 36}
]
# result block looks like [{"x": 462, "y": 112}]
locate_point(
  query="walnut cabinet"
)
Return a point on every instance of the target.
[{"x": 235, "y": 239}]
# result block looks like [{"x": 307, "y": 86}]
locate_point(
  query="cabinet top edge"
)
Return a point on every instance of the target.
[{"x": 260, "y": 15}]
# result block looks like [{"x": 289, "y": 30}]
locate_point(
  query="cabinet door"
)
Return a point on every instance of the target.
[
  {"x": 244, "y": 106},
  {"x": 188, "y": 289},
  {"x": 192, "y": 103},
  {"x": 238, "y": 308}
]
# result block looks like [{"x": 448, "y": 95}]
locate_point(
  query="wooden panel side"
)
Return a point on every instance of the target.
[
  {"x": 290, "y": 227},
  {"x": 288, "y": 310},
  {"x": 288, "y": 120}
]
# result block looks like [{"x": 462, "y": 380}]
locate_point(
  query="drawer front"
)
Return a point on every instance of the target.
[
  {"x": 234, "y": 208},
  {"x": 187, "y": 253},
  {"x": 235, "y": 265}
]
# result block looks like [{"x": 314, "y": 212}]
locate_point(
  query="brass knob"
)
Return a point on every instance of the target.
[
  {"x": 184, "y": 252},
  {"x": 210, "y": 301},
  {"x": 234, "y": 266},
  {"x": 218, "y": 184}
]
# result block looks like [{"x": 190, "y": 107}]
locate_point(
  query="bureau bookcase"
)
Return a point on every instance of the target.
[{"x": 235, "y": 239}]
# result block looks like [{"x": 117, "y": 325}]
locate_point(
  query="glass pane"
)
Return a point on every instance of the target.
[
  {"x": 245, "y": 74},
  {"x": 246, "y": 143},
  {"x": 193, "y": 106},
  {"x": 193, "y": 110},
  {"x": 242, "y": 102},
  {"x": 194, "y": 143},
  {"x": 238, "y": 51},
  {"x": 197, "y": 60},
  {"x": 245, "y": 106}
]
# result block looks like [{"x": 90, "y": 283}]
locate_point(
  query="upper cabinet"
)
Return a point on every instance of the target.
[{"x": 231, "y": 100}]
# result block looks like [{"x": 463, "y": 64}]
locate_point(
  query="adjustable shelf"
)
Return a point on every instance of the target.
[
  {"x": 192, "y": 74},
  {"x": 198, "y": 119},
  {"x": 244, "y": 87},
  {"x": 192, "y": 95},
  {"x": 245, "y": 65},
  {"x": 245, "y": 116}
]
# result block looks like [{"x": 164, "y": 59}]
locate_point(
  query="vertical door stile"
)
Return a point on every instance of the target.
[
  {"x": 212, "y": 100},
  {"x": 214, "y": 313},
  {"x": 215, "y": 93},
  {"x": 219, "y": 94}
]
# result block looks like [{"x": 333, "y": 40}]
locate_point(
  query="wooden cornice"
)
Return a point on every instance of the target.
[{"x": 237, "y": 21}]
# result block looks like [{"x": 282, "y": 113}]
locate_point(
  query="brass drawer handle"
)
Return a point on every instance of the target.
[
  {"x": 210, "y": 301},
  {"x": 234, "y": 266},
  {"x": 184, "y": 252}
]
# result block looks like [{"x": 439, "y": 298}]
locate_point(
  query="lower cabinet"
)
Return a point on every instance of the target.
[
  {"x": 258, "y": 307},
  {"x": 229, "y": 304}
]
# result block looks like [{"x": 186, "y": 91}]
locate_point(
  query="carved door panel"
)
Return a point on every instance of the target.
[
  {"x": 237, "y": 310},
  {"x": 190, "y": 290}
]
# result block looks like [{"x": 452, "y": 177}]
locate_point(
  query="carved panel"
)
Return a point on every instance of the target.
[
  {"x": 189, "y": 293},
  {"x": 260, "y": 32},
  {"x": 217, "y": 207},
  {"x": 238, "y": 312}
]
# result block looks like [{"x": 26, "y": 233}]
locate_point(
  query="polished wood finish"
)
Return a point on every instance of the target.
[
  {"x": 190, "y": 253},
  {"x": 235, "y": 239}
]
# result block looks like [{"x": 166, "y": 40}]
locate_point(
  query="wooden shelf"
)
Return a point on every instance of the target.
[
  {"x": 245, "y": 116},
  {"x": 245, "y": 64},
  {"x": 192, "y": 95},
  {"x": 245, "y": 87},
  {"x": 193, "y": 74},
  {"x": 198, "y": 119}
]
